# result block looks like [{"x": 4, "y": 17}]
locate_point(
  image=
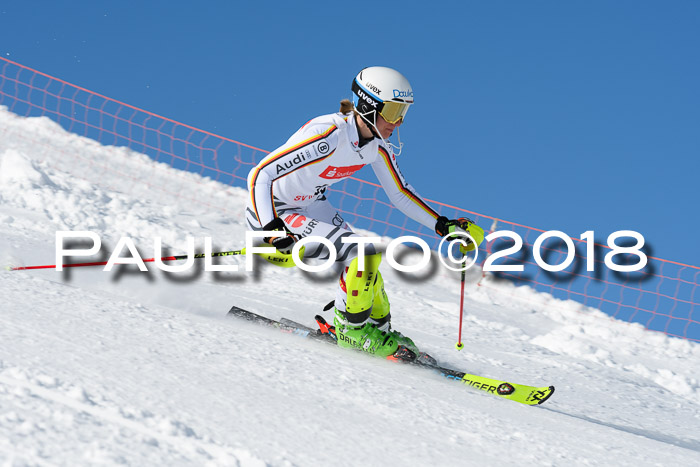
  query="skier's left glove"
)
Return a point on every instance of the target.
[
  {"x": 285, "y": 242},
  {"x": 447, "y": 227}
]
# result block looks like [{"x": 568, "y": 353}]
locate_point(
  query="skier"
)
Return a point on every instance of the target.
[{"x": 287, "y": 194}]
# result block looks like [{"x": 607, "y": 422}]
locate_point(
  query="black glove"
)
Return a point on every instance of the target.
[
  {"x": 445, "y": 226},
  {"x": 285, "y": 242}
]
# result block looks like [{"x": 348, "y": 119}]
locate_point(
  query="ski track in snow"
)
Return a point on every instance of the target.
[{"x": 145, "y": 369}]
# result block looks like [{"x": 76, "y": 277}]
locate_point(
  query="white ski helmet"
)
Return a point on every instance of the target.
[{"x": 382, "y": 91}]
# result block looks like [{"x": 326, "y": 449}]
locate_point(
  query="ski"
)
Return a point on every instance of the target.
[
  {"x": 524, "y": 394},
  {"x": 295, "y": 328}
]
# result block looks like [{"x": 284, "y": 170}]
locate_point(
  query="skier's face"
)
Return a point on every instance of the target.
[{"x": 385, "y": 128}]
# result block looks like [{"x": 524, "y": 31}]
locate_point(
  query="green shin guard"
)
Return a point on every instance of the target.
[
  {"x": 380, "y": 315},
  {"x": 360, "y": 288}
]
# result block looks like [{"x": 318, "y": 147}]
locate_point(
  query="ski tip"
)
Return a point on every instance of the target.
[
  {"x": 551, "y": 391},
  {"x": 235, "y": 311},
  {"x": 320, "y": 319}
]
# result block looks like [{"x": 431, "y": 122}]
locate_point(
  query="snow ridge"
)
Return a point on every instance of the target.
[{"x": 144, "y": 368}]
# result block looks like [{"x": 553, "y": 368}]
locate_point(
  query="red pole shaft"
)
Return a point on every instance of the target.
[
  {"x": 78, "y": 265},
  {"x": 148, "y": 260},
  {"x": 461, "y": 310}
]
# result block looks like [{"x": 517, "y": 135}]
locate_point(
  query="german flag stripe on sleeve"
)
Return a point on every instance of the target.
[
  {"x": 403, "y": 188},
  {"x": 272, "y": 158}
]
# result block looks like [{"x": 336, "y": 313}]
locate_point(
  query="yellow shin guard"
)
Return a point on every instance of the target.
[{"x": 360, "y": 287}]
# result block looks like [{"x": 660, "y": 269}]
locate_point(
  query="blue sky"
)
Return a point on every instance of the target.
[{"x": 571, "y": 116}]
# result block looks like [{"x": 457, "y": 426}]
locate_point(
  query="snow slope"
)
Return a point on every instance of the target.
[{"x": 145, "y": 369}]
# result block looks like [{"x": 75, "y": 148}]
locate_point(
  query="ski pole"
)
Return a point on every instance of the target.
[
  {"x": 460, "y": 345},
  {"x": 277, "y": 258},
  {"x": 149, "y": 260}
]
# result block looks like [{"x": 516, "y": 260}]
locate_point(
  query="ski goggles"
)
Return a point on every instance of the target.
[{"x": 393, "y": 112}]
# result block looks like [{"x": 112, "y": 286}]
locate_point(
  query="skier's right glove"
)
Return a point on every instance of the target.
[
  {"x": 285, "y": 242},
  {"x": 446, "y": 227}
]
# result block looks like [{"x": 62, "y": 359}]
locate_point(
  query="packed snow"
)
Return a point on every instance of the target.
[{"x": 144, "y": 368}]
